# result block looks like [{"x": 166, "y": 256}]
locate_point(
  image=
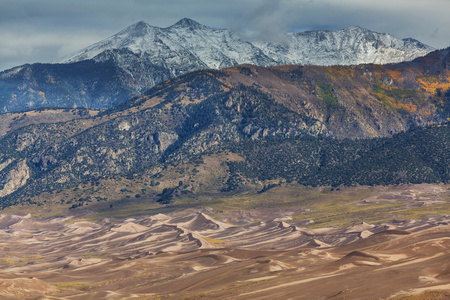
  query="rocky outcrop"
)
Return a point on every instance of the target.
[
  {"x": 15, "y": 178},
  {"x": 164, "y": 139},
  {"x": 4, "y": 164}
]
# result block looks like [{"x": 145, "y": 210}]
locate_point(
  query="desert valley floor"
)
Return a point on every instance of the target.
[{"x": 234, "y": 254}]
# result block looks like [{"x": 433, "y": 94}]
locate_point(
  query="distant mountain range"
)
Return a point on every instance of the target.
[
  {"x": 109, "y": 72},
  {"x": 194, "y": 45},
  {"x": 219, "y": 130}
]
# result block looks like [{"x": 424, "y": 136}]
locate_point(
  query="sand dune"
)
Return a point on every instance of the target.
[
  {"x": 24, "y": 287},
  {"x": 193, "y": 255}
]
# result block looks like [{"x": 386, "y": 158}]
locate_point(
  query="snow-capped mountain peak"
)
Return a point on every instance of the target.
[
  {"x": 188, "y": 23},
  {"x": 203, "y": 46},
  {"x": 147, "y": 55},
  {"x": 141, "y": 28},
  {"x": 142, "y": 56},
  {"x": 356, "y": 28},
  {"x": 136, "y": 38}
]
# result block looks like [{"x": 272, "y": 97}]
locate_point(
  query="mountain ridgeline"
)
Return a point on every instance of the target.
[
  {"x": 141, "y": 56},
  {"x": 316, "y": 125}
]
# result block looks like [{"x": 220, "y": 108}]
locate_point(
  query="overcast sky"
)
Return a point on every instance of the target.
[{"x": 45, "y": 30}]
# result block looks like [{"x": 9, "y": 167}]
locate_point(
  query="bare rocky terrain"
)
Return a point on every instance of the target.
[{"x": 259, "y": 253}]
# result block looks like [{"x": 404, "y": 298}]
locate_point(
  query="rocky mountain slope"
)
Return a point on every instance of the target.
[
  {"x": 295, "y": 123},
  {"x": 141, "y": 56}
]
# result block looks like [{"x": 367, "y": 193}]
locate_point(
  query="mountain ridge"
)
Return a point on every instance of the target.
[
  {"x": 186, "y": 23},
  {"x": 128, "y": 63},
  {"x": 316, "y": 125}
]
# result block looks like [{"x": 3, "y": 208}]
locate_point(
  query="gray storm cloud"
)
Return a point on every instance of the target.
[
  {"x": 266, "y": 21},
  {"x": 37, "y": 31}
]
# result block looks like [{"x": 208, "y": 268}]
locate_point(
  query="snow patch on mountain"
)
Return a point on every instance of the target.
[
  {"x": 349, "y": 46},
  {"x": 205, "y": 47}
]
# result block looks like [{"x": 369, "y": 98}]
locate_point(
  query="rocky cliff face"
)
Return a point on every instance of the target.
[
  {"x": 14, "y": 177},
  {"x": 141, "y": 56}
]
